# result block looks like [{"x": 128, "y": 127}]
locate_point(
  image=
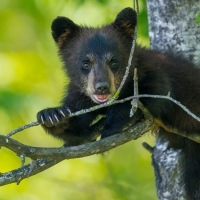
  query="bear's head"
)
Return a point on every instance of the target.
[{"x": 95, "y": 58}]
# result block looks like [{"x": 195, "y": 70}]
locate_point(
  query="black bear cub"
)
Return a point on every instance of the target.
[{"x": 95, "y": 60}]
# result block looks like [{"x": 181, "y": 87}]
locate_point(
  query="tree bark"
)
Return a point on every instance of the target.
[{"x": 172, "y": 27}]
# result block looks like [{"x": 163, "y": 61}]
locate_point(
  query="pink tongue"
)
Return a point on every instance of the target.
[{"x": 101, "y": 98}]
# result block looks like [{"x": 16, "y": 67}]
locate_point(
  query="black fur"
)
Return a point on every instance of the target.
[{"x": 95, "y": 61}]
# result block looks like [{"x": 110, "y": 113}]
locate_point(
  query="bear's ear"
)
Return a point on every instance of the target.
[
  {"x": 63, "y": 29},
  {"x": 126, "y": 21}
]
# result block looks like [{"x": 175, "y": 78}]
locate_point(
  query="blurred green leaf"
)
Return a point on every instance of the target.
[{"x": 197, "y": 19}]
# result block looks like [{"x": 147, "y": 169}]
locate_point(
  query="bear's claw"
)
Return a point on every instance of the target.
[{"x": 53, "y": 116}]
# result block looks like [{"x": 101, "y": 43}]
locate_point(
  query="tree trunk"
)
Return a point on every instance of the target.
[{"x": 172, "y": 27}]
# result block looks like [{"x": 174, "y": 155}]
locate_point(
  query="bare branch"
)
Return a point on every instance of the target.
[
  {"x": 115, "y": 96},
  {"x": 136, "y": 6},
  {"x": 17, "y": 175},
  {"x": 78, "y": 151},
  {"x": 135, "y": 101},
  {"x": 21, "y": 128},
  {"x": 55, "y": 155},
  {"x": 147, "y": 147},
  {"x": 109, "y": 103}
]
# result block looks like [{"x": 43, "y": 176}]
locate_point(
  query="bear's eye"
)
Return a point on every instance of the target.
[
  {"x": 113, "y": 64},
  {"x": 86, "y": 65}
]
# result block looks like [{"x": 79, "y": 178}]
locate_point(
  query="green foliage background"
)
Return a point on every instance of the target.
[{"x": 31, "y": 79}]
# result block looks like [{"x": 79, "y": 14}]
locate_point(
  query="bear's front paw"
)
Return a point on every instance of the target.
[{"x": 52, "y": 116}]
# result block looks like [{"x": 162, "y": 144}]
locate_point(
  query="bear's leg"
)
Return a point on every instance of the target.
[{"x": 117, "y": 119}]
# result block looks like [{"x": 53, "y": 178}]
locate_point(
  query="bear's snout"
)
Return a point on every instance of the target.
[{"x": 102, "y": 88}]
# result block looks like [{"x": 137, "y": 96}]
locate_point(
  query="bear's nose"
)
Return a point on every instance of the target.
[{"x": 102, "y": 87}]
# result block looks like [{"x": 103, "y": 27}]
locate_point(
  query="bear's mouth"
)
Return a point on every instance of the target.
[{"x": 101, "y": 98}]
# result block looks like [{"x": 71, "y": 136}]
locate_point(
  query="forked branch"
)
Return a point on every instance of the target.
[{"x": 54, "y": 155}]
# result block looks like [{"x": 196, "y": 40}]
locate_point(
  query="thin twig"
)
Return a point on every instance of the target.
[
  {"x": 21, "y": 128},
  {"x": 109, "y": 103},
  {"x": 135, "y": 100},
  {"x": 171, "y": 99},
  {"x": 136, "y": 6},
  {"x": 115, "y": 96},
  {"x": 147, "y": 147}
]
